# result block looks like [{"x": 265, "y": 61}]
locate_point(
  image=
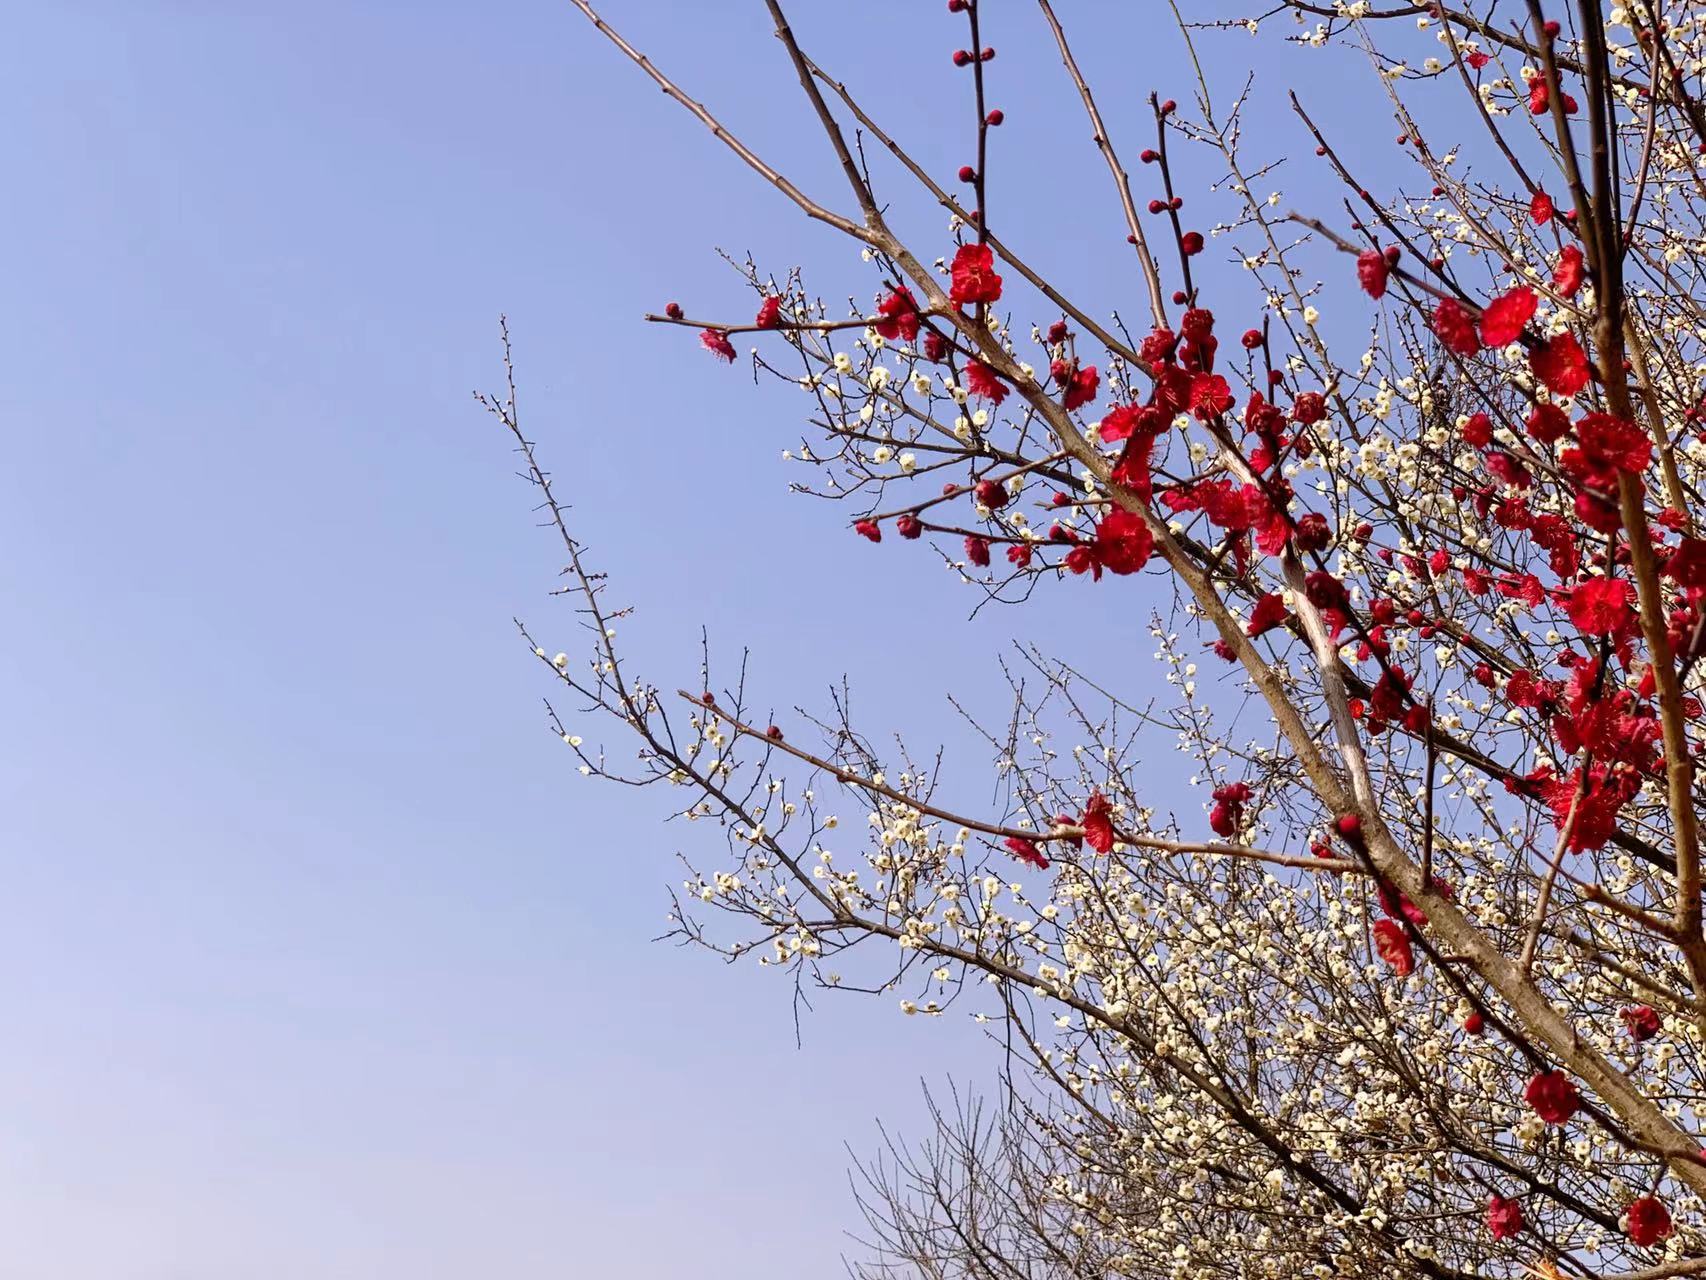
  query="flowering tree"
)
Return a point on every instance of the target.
[{"x": 1424, "y": 989}]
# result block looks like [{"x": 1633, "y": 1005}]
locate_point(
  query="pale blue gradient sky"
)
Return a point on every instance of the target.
[{"x": 318, "y": 960}]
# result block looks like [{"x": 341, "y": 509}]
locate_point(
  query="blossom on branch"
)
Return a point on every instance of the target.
[{"x": 974, "y": 278}]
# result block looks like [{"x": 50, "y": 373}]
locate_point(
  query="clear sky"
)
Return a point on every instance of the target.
[{"x": 316, "y": 957}]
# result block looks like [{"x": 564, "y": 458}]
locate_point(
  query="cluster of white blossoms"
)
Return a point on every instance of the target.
[{"x": 1154, "y": 987}]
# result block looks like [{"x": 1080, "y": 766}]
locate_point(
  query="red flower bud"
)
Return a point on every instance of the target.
[
  {"x": 1191, "y": 242},
  {"x": 673, "y": 310},
  {"x": 995, "y": 117},
  {"x": 967, "y": 173},
  {"x": 961, "y": 58}
]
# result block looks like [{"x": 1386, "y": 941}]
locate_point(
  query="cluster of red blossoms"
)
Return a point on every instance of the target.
[
  {"x": 1392, "y": 936},
  {"x": 1613, "y": 725},
  {"x": 1595, "y": 456},
  {"x": 1555, "y": 1100},
  {"x": 1646, "y": 1221}
]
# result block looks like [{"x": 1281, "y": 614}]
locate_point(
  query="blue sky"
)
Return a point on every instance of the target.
[{"x": 316, "y": 957}]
